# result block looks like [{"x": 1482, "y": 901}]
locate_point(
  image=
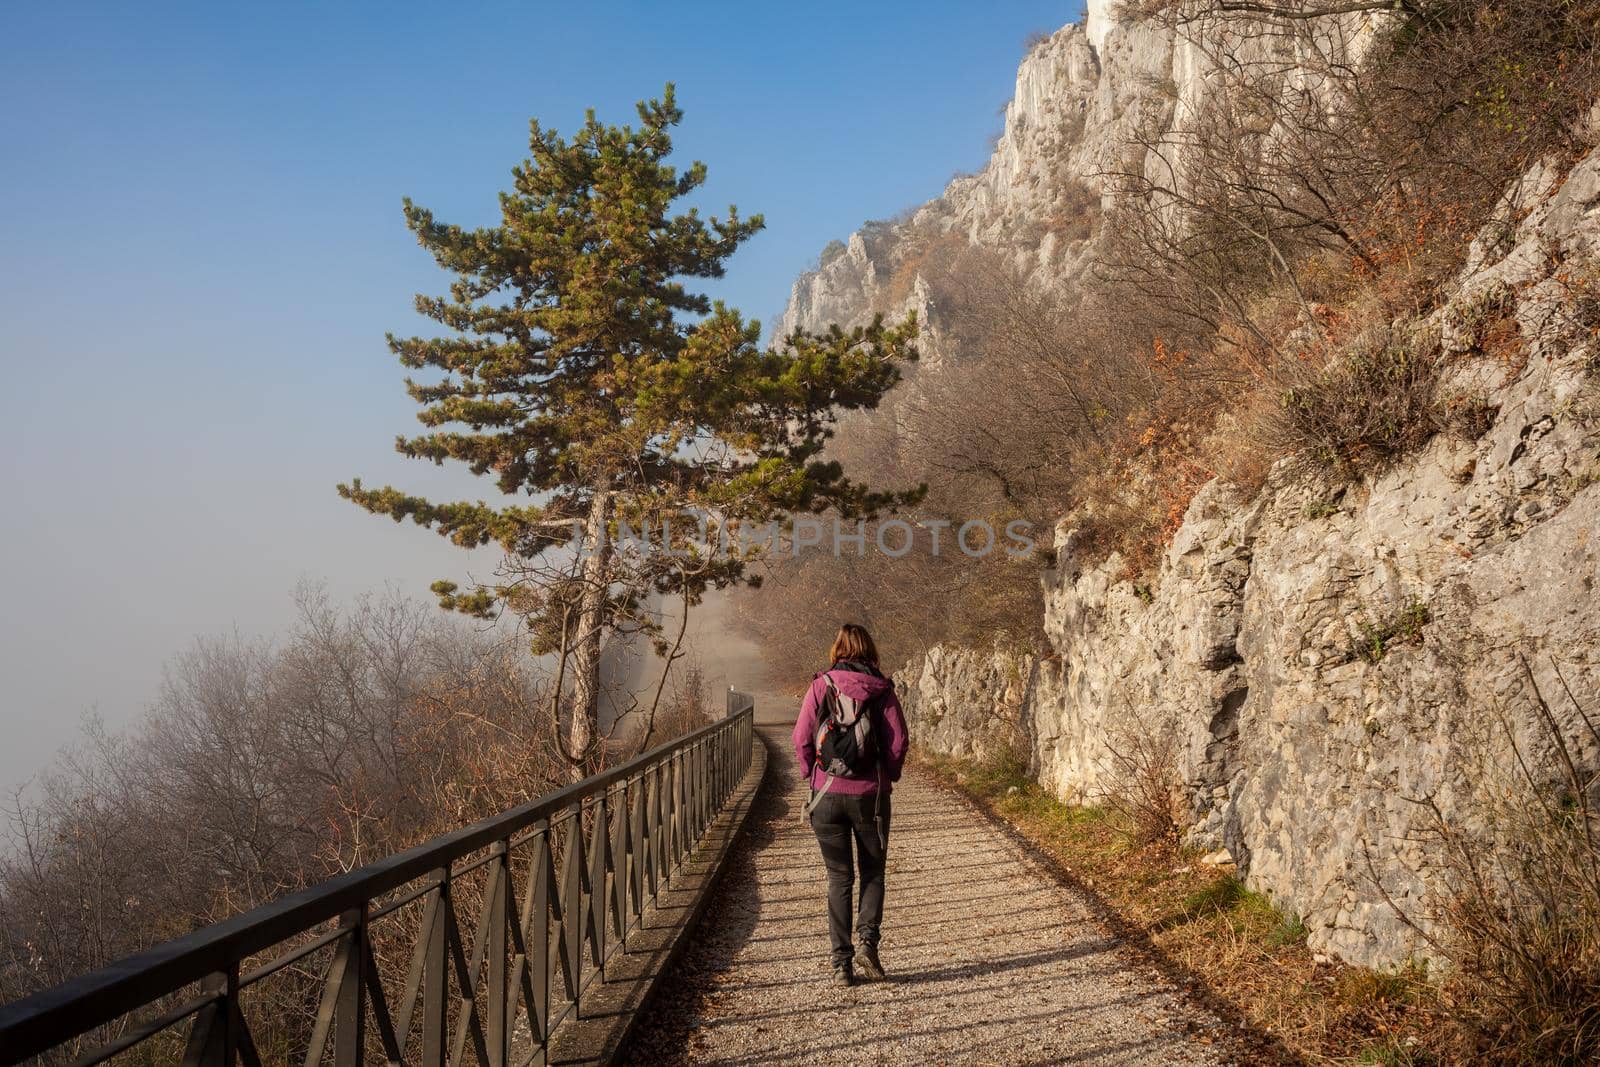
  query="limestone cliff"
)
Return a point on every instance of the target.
[
  {"x": 1082, "y": 96},
  {"x": 1333, "y": 661},
  {"x": 1333, "y": 658}
]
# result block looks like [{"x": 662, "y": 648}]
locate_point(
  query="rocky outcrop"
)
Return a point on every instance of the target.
[
  {"x": 1083, "y": 96},
  {"x": 1020, "y": 204},
  {"x": 1336, "y": 660},
  {"x": 970, "y": 702}
]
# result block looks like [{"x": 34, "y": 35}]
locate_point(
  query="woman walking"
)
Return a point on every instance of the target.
[{"x": 850, "y": 740}]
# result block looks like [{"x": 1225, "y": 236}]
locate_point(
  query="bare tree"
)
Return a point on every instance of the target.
[{"x": 262, "y": 768}]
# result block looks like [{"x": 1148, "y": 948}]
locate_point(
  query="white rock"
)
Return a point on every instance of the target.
[{"x": 1246, "y": 641}]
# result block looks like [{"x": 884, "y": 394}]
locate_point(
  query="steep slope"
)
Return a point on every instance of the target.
[
  {"x": 1082, "y": 95},
  {"x": 1336, "y": 662}
]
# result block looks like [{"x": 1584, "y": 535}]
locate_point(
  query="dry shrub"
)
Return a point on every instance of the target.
[
  {"x": 1319, "y": 215},
  {"x": 1137, "y": 498},
  {"x": 685, "y": 705},
  {"x": 1240, "y": 448},
  {"x": 921, "y": 252},
  {"x": 1141, "y": 780},
  {"x": 1396, "y": 160},
  {"x": 263, "y": 769},
  {"x": 1137, "y": 514},
  {"x": 1519, "y": 914},
  {"x": 1076, "y": 216},
  {"x": 1375, "y": 402}
]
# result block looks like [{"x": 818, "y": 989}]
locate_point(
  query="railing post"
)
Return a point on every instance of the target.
[
  {"x": 350, "y": 1029},
  {"x": 707, "y": 809},
  {"x": 595, "y": 907},
  {"x": 723, "y": 753},
  {"x": 233, "y": 1034},
  {"x": 680, "y": 809},
  {"x": 497, "y": 1017},
  {"x": 640, "y": 850},
  {"x": 436, "y": 979},
  {"x": 664, "y": 815},
  {"x": 701, "y": 799},
  {"x": 572, "y": 906},
  {"x": 213, "y": 1037},
  {"x": 652, "y": 831},
  {"x": 696, "y": 790},
  {"x": 536, "y": 933},
  {"x": 669, "y": 817},
  {"x": 688, "y": 805},
  {"x": 621, "y": 823}
]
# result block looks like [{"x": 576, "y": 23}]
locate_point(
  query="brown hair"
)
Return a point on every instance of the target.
[{"x": 853, "y": 643}]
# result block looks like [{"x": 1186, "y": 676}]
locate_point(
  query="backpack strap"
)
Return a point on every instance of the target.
[
  {"x": 816, "y": 798},
  {"x": 816, "y": 742},
  {"x": 877, "y": 811}
]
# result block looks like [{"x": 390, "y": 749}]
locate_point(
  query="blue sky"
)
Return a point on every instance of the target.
[{"x": 201, "y": 249}]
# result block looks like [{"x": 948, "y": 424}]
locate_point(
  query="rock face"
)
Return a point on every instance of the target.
[
  {"x": 970, "y": 703},
  {"x": 1332, "y": 661},
  {"x": 1081, "y": 96},
  {"x": 1036, "y": 173}
]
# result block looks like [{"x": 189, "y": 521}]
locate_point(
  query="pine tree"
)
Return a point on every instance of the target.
[{"x": 602, "y": 393}]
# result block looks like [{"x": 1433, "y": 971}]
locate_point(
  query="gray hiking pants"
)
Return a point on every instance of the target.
[{"x": 850, "y": 835}]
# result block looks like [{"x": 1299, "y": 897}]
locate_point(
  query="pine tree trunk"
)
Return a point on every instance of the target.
[{"x": 583, "y": 716}]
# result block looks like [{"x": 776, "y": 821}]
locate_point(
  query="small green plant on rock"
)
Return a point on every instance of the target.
[
  {"x": 1291, "y": 930},
  {"x": 1321, "y": 509},
  {"x": 1404, "y": 627}
]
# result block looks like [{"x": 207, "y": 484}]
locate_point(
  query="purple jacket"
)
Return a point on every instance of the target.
[{"x": 887, "y": 719}]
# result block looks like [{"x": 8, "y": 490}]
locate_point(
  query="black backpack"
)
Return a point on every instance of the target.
[{"x": 847, "y": 745}]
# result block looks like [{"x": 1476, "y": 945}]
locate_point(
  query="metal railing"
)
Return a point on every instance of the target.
[
  {"x": 738, "y": 702},
  {"x": 589, "y": 860}
]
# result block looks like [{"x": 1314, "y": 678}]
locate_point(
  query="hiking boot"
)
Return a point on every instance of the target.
[
  {"x": 842, "y": 975},
  {"x": 867, "y": 960}
]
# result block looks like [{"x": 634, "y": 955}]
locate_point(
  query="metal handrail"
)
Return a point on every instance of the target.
[
  {"x": 738, "y": 702},
  {"x": 621, "y": 835}
]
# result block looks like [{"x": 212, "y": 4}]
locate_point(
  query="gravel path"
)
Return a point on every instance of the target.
[{"x": 991, "y": 961}]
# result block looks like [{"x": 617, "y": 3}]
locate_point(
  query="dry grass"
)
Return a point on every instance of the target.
[
  {"x": 1377, "y": 401},
  {"x": 1213, "y": 932},
  {"x": 1518, "y": 908},
  {"x": 1143, "y": 785}
]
